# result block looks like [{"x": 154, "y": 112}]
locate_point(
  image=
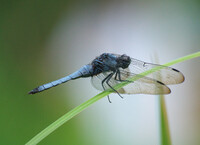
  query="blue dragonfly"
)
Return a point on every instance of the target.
[{"x": 108, "y": 70}]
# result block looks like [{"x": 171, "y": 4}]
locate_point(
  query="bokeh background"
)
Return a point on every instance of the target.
[{"x": 41, "y": 41}]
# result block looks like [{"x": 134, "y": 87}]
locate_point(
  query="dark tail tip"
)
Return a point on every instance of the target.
[{"x": 33, "y": 91}]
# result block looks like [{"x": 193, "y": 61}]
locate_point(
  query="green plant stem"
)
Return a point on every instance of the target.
[
  {"x": 44, "y": 133},
  {"x": 163, "y": 122}
]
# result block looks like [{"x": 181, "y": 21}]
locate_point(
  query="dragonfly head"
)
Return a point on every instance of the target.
[{"x": 123, "y": 61}]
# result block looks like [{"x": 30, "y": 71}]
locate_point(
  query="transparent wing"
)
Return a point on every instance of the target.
[
  {"x": 97, "y": 81},
  {"x": 143, "y": 85},
  {"x": 166, "y": 75}
]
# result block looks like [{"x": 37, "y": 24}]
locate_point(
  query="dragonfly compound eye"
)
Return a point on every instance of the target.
[{"x": 123, "y": 61}]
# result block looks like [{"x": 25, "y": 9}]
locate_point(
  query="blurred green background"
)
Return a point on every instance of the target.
[{"x": 41, "y": 41}]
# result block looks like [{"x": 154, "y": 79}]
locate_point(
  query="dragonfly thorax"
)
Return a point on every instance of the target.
[{"x": 110, "y": 62}]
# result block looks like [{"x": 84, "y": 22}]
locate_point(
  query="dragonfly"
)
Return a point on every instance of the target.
[{"x": 108, "y": 70}]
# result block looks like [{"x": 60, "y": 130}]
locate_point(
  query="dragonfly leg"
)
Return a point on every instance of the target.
[
  {"x": 116, "y": 75},
  {"x": 108, "y": 79},
  {"x": 119, "y": 77},
  {"x": 109, "y": 99},
  {"x": 102, "y": 83}
]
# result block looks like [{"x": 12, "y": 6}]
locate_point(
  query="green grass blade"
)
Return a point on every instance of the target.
[
  {"x": 163, "y": 125},
  {"x": 44, "y": 133},
  {"x": 163, "y": 122}
]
